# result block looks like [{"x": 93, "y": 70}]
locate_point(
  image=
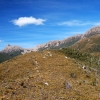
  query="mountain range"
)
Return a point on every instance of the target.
[
  {"x": 56, "y": 44},
  {"x": 88, "y": 42},
  {"x": 68, "y": 41}
]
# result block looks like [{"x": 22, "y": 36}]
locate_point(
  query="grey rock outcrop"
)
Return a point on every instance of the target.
[{"x": 58, "y": 44}]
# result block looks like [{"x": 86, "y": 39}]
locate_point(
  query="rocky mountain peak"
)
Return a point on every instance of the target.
[
  {"x": 93, "y": 31},
  {"x": 10, "y": 49}
]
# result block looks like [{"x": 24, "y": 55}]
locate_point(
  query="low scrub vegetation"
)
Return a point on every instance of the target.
[{"x": 86, "y": 58}]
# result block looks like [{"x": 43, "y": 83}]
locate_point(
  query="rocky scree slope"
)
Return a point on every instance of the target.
[{"x": 47, "y": 75}]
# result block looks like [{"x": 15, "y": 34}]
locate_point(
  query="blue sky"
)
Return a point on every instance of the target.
[{"x": 28, "y": 23}]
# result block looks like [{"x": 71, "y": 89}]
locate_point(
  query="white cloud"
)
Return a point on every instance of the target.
[
  {"x": 22, "y": 21},
  {"x": 77, "y": 23}
]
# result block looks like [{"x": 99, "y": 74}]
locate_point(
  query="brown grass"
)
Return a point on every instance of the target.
[
  {"x": 90, "y": 45},
  {"x": 41, "y": 76}
]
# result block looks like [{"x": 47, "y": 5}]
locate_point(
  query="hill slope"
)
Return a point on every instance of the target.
[
  {"x": 9, "y": 52},
  {"x": 90, "y": 45},
  {"x": 47, "y": 75}
]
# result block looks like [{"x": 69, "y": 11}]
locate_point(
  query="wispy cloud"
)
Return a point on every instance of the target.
[
  {"x": 22, "y": 21},
  {"x": 1, "y": 41},
  {"x": 77, "y": 23}
]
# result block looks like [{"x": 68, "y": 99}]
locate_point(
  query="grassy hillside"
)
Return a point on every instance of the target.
[
  {"x": 47, "y": 75},
  {"x": 90, "y": 45}
]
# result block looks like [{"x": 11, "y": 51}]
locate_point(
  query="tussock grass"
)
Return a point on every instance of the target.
[{"x": 35, "y": 77}]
